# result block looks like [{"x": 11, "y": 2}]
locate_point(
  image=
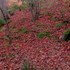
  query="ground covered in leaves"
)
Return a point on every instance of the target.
[{"x": 47, "y": 53}]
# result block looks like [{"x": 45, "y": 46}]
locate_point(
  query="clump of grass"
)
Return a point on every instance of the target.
[
  {"x": 49, "y": 14},
  {"x": 27, "y": 66},
  {"x": 5, "y": 37},
  {"x": 47, "y": 34},
  {"x": 39, "y": 24},
  {"x": 15, "y": 7},
  {"x": 43, "y": 34},
  {"x": 62, "y": 10},
  {"x": 2, "y": 22},
  {"x": 24, "y": 6},
  {"x": 23, "y": 30},
  {"x": 52, "y": 18},
  {"x": 23, "y": 19},
  {"x": 10, "y": 11},
  {"x": 11, "y": 55},
  {"x": 58, "y": 25},
  {"x": 65, "y": 22},
  {"x": 67, "y": 34},
  {"x": 2, "y": 29}
]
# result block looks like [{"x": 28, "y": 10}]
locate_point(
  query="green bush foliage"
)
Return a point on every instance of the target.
[
  {"x": 65, "y": 22},
  {"x": 15, "y": 7},
  {"x": 23, "y": 30},
  {"x": 47, "y": 34},
  {"x": 10, "y": 10},
  {"x": 27, "y": 66},
  {"x": 67, "y": 34},
  {"x": 2, "y": 22},
  {"x": 58, "y": 25},
  {"x": 43, "y": 34}
]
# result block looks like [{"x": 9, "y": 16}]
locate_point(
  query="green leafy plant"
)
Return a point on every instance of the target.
[
  {"x": 15, "y": 7},
  {"x": 49, "y": 14},
  {"x": 24, "y": 5},
  {"x": 23, "y": 30},
  {"x": 65, "y": 22},
  {"x": 52, "y": 18},
  {"x": 27, "y": 66},
  {"x": 2, "y": 29},
  {"x": 41, "y": 35},
  {"x": 58, "y": 25},
  {"x": 47, "y": 34},
  {"x": 2, "y": 22},
  {"x": 67, "y": 34},
  {"x": 39, "y": 24},
  {"x": 11, "y": 55},
  {"x": 10, "y": 11}
]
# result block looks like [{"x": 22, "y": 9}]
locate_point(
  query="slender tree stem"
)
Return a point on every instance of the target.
[{"x": 6, "y": 17}]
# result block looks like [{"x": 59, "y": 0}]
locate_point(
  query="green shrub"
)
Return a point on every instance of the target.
[
  {"x": 15, "y": 7},
  {"x": 65, "y": 22},
  {"x": 41, "y": 34},
  {"x": 67, "y": 34},
  {"x": 39, "y": 24},
  {"x": 11, "y": 11},
  {"x": 49, "y": 14},
  {"x": 2, "y": 29},
  {"x": 27, "y": 66},
  {"x": 47, "y": 34},
  {"x": 2, "y": 21},
  {"x": 58, "y": 25},
  {"x": 23, "y": 30},
  {"x": 52, "y": 18},
  {"x": 22, "y": 7}
]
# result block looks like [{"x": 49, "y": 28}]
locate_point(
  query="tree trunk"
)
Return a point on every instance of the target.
[
  {"x": 4, "y": 13},
  {"x": 34, "y": 8},
  {"x": 3, "y": 6}
]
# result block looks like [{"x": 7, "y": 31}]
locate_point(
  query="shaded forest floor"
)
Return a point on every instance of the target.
[{"x": 48, "y": 53}]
